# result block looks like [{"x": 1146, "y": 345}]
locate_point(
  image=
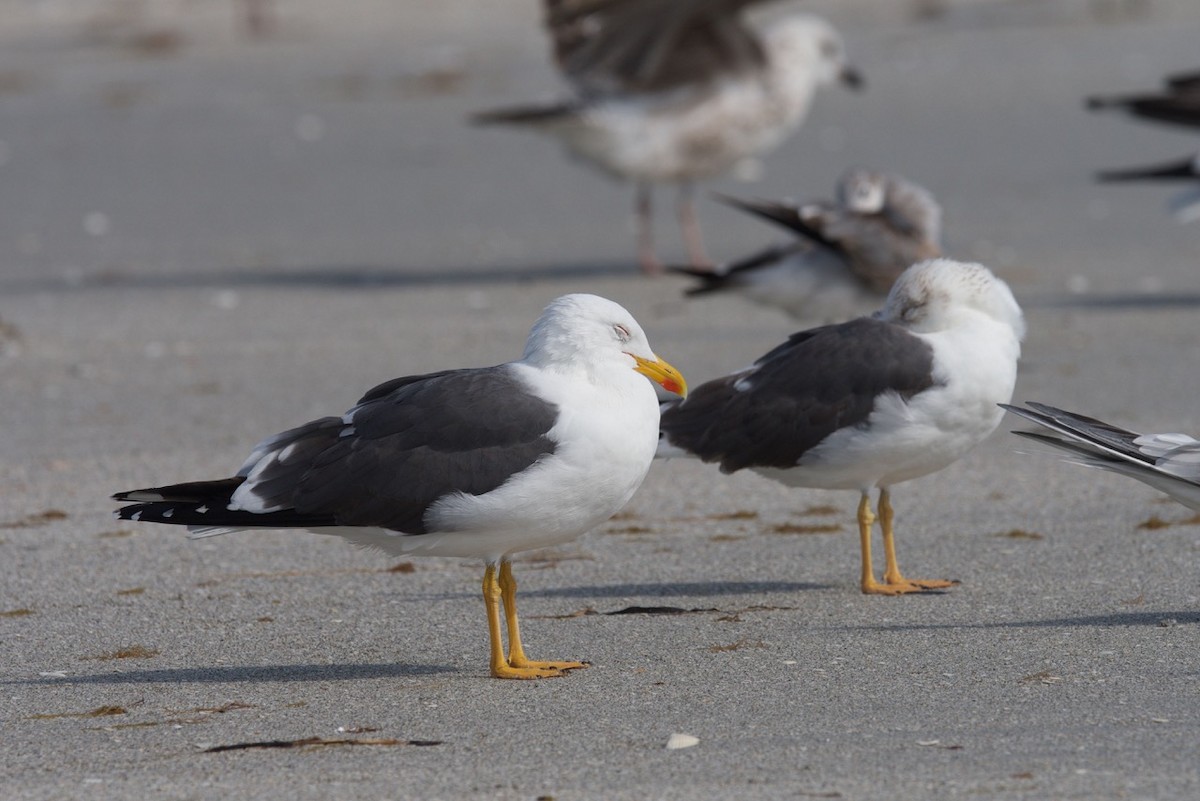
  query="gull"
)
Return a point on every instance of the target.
[
  {"x": 847, "y": 252},
  {"x": 672, "y": 91},
  {"x": 1179, "y": 105},
  {"x": 478, "y": 462},
  {"x": 1185, "y": 206},
  {"x": 1168, "y": 462},
  {"x": 868, "y": 403}
]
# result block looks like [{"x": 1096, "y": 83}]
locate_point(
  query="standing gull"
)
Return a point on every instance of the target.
[
  {"x": 847, "y": 252},
  {"x": 671, "y": 91},
  {"x": 867, "y": 403},
  {"x": 1168, "y": 462},
  {"x": 480, "y": 462}
]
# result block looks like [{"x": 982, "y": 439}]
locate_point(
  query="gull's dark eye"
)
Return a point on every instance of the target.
[{"x": 622, "y": 332}]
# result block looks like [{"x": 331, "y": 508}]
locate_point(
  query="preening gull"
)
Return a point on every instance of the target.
[
  {"x": 847, "y": 252},
  {"x": 480, "y": 462},
  {"x": 1168, "y": 462},
  {"x": 868, "y": 403},
  {"x": 671, "y": 91}
]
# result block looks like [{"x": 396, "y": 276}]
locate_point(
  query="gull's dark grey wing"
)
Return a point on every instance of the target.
[
  {"x": 816, "y": 383},
  {"x": 409, "y": 443}
]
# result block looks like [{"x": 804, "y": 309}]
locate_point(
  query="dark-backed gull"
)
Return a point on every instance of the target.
[
  {"x": 868, "y": 403},
  {"x": 1168, "y": 462},
  {"x": 671, "y": 91},
  {"x": 480, "y": 462}
]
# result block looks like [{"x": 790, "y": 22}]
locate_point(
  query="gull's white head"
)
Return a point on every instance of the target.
[
  {"x": 938, "y": 294},
  {"x": 593, "y": 335},
  {"x": 863, "y": 191},
  {"x": 810, "y": 49}
]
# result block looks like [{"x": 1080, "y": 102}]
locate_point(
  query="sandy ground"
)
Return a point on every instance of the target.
[{"x": 206, "y": 239}]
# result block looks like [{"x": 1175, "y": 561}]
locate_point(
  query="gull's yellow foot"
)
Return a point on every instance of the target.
[
  {"x": 933, "y": 584},
  {"x": 499, "y": 586},
  {"x": 552, "y": 665},
  {"x": 506, "y": 671},
  {"x": 905, "y": 586},
  {"x": 873, "y": 587}
]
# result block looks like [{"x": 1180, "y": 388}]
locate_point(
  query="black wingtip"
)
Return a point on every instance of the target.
[
  {"x": 785, "y": 214},
  {"x": 1175, "y": 170}
]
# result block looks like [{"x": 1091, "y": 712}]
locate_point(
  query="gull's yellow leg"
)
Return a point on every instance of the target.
[
  {"x": 866, "y": 519},
  {"x": 500, "y": 667},
  {"x": 516, "y": 652},
  {"x": 892, "y": 576}
]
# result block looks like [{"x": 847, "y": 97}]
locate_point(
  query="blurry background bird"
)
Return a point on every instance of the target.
[
  {"x": 847, "y": 253},
  {"x": 671, "y": 91},
  {"x": 1178, "y": 104}
]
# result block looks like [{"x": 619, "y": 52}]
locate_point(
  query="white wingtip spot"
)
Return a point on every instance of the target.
[
  {"x": 168, "y": 513},
  {"x": 201, "y": 510},
  {"x": 136, "y": 516}
]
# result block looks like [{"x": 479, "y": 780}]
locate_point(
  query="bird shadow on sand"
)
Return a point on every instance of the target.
[
  {"x": 648, "y": 590},
  {"x": 331, "y": 277},
  {"x": 1116, "y": 620},
  {"x": 246, "y": 673},
  {"x": 697, "y": 589}
]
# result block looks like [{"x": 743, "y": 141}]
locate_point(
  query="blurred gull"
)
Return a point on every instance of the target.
[
  {"x": 1168, "y": 462},
  {"x": 670, "y": 91},
  {"x": 1186, "y": 205},
  {"x": 847, "y": 253},
  {"x": 1178, "y": 104}
]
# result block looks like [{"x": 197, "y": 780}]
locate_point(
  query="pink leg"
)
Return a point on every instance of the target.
[
  {"x": 645, "y": 231},
  {"x": 689, "y": 225}
]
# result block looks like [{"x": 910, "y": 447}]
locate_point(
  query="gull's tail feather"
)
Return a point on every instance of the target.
[{"x": 203, "y": 506}]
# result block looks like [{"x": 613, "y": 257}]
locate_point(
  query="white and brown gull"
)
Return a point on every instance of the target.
[
  {"x": 672, "y": 91},
  {"x": 869, "y": 403},
  {"x": 479, "y": 462},
  {"x": 1168, "y": 462},
  {"x": 846, "y": 253}
]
